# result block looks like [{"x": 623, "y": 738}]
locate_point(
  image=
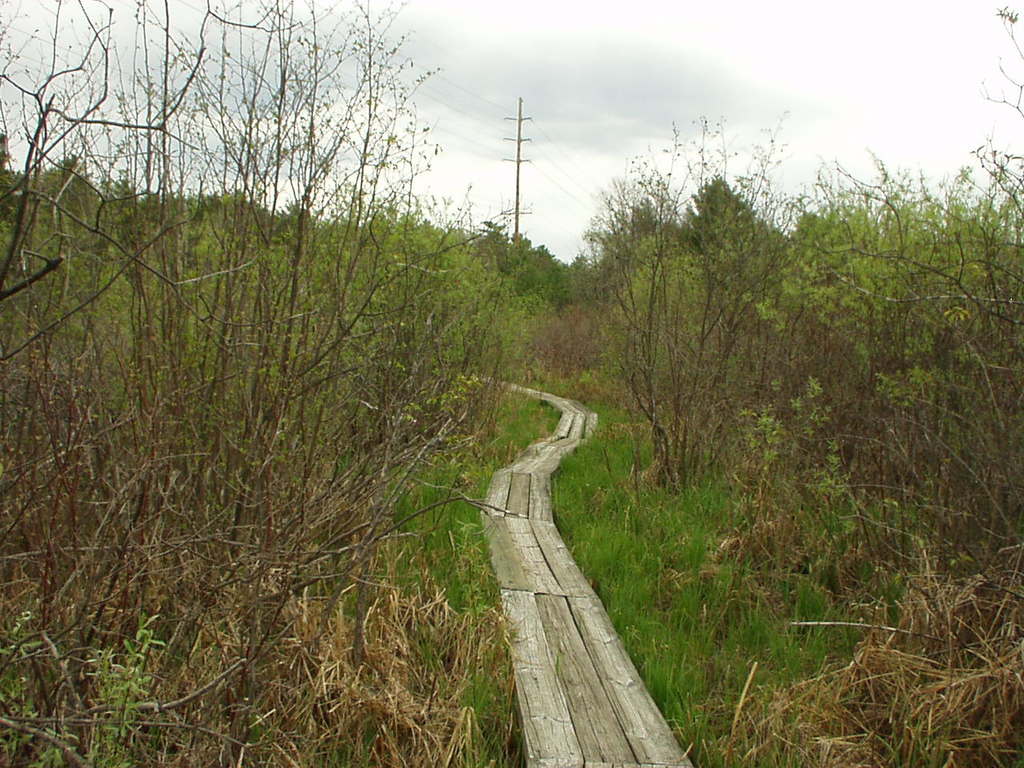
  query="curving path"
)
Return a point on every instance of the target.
[{"x": 581, "y": 701}]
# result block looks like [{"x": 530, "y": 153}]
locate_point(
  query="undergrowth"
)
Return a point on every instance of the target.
[
  {"x": 436, "y": 689},
  {"x": 764, "y": 635},
  {"x": 429, "y": 686}
]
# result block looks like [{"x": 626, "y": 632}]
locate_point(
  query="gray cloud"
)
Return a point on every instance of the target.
[
  {"x": 600, "y": 92},
  {"x": 606, "y": 83}
]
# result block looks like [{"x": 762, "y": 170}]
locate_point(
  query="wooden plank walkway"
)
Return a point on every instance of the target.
[{"x": 581, "y": 701}]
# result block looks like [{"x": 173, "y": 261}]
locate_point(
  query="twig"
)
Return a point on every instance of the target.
[
  {"x": 160, "y": 706},
  {"x": 862, "y": 625}
]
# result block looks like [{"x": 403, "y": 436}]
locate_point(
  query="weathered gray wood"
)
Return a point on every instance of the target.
[
  {"x": 519, "y": 495},
  {"x": 559, "y": 762},
  {"x": 497, "y": 494},
  {"x": 579, "y": 423},
  {"x": 647, "y": 731},
  {"x": 505, "y": 559},
  {"x": 570, "y": 578},
  {"x": 535, "y": 393},
  {"x": 597, "y": 726},
  {"x": 548, "y": 464},
  {"x": 538, "y": 572},
  {"x": 564, "y": 425},
  {"x": 526, "y": 461},
  {"x": 540, "y": 496},
  {"x": 548, "y": 732}
]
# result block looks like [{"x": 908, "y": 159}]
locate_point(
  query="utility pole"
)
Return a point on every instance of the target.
[{"x": 519, "y": 159}]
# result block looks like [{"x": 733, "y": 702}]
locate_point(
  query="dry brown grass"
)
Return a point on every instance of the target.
[
  {"x": 943, "y": 686},
  {"x": 406, "y": 704},
  {"x": 310, "y": 705}
]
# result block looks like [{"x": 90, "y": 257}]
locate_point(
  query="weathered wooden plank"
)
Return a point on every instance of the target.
[
  {"x": 497, "y": 493},
  {"x": 579, "y": 423},
  {"x": 540, "y": 496},
  {"x": 505, "y": 559},
  {"x": 526, "y": 460},
  {"x": 559, "y": 559},
  {"x": 582, "y": 703},
  {"x": 548, "y": 463},
  {"x": 548, "y": 732},
  {"x": 646, "y": 729},
  {"x": 594, "y": 718},
  {"x": 564, "y": 425},
  {"x": 535, "y": 565},
  {"x": 558, "y": 763},
  {"x": 560, "y": 403},
  {"x": 535, "y": 393},
  {"x": 519, "y": 495}
]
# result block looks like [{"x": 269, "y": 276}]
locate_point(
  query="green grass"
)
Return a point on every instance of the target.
[{"x": 693, "y": 621}]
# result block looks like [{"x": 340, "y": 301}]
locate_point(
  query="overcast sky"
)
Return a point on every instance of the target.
[{"x": 605, "y": 82}]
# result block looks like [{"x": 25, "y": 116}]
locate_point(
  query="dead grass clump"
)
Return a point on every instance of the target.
[
  {"x": 410, "y": 703},
  {"x": 942, "y": 687},
  {"x": 772, "y": 540}
]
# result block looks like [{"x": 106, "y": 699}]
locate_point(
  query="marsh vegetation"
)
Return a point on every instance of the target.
[{"x": 245, "y": 371}]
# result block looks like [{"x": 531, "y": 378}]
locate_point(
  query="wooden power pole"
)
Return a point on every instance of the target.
[{"x": 518, "y": 159}]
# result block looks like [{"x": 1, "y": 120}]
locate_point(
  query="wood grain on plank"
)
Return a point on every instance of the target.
[
  {"x": 594, "y": 718},
  {"x": 540, "y": 496},
  {"x": 538, "y": 572},
  {"x": 497, "y": 494},
  {"x": 527, "y": 460},
  {"x": 646, "y": 729},
  {"x": 548, "y": 730},
  {"x": 548, "y": 464},
  {"x": 519, "y": 495},
  {"x": 579, "y": 423},
  {"x": 505, "y": 559},
  {"x": 570, "y": 578},
  {"x": 564, "y": 425}
]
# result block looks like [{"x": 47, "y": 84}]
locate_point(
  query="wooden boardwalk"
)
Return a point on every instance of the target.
[{"x": 581, "y": 701}]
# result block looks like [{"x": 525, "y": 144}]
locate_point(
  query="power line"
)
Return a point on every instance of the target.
[
  {"x": 570, "y": 195},
  {"x": 573, "y": 181},
  {"x": 475, "y": 95},
  {"x": 447, "y": 105},
  {"x": 572, "y": 162},
  {"x": 436, "y": 128}
]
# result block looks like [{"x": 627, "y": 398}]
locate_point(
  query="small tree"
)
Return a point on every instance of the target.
[{"x": 691, "y": 274}]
